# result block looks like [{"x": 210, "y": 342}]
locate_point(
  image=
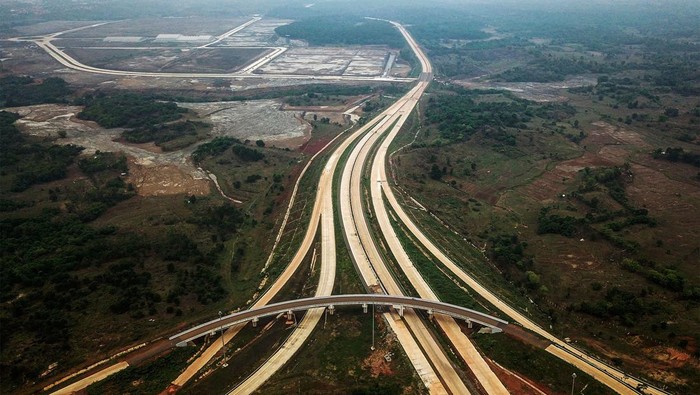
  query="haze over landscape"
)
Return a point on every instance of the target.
[{"x": 349, "y": 197}]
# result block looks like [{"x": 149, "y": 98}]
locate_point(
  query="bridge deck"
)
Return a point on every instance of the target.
[{"x": 434, "y": 306}]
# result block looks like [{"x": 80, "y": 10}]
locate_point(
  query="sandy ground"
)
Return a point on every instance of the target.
[
  {"x": 251, "y": 120},
  {"x": 329, "y": 61},
  {"x": 535, "y": 91},
  {"x": 261, "y": 33}
]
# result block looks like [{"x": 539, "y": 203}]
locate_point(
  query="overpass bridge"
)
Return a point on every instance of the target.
[{"x": 330, "y": 302}]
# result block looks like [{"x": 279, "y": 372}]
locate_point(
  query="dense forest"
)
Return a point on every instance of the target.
[
  {"x": 24, "y": 91},
  {"x": 57, "y": 266},
  {"x": 343, "y": 31},
  {"x": 458, "y": 115},
  {"x": 129, "y": 110}
]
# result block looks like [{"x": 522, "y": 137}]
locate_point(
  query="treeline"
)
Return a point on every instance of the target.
[
  {"x": 25, "y": 91},
  {"x": 55, "y": 268},
  {"x": 677, "y": 155},
  {"x": 128, "y": 110},
  {"x": 103, "y": 161},
  {"x": 160, "y": 134},
  {"x": 343, "y": 30},
  {"x": 551, "y": 69},
  {"x": 220, "y": 145},
  {"x": 621, "y": 304},
  {"x": 458, "y": 115},
  {"x": 29, "y": 162}
]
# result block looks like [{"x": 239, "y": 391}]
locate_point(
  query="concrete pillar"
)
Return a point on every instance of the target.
[
  {"x": 255, "y": 322},
  {"x": 430, "y": 312},
  {"x": 401, "y": 311},
  {"x": 364, "y": 307},
  {"x": 290, "y": 315},
  {"x": 331, "y": 309},
  {"x": 469, "y": 324}
]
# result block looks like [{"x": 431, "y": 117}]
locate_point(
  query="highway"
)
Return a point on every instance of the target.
[
  {"x": 427, "y": 356},
  {"x": 604, "y": 373},
  {"x": 366, "y": 253},
  {"x": 331, "y": 301}
]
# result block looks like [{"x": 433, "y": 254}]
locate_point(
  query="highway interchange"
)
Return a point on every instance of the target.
[{"x": 364, "y": 171}]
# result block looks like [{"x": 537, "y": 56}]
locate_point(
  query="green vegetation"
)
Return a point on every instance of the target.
[
  {"x": 457, "y": 115},
  {"x": 549, "y": 69},
  {"x": 162, "y": 134},
  {"x": 103, "y": 161},
  {"x": 25, "y": 162},
  {"x": 536, "y": 364},
  {"x": 343, "y": 30},
  {"x": 677, "y": 155},
  {"x": 129, "y": 110},
  {"x": 618, "y": 303},
  {"x": 560, "y": 225},
  {"x": 220, "y": 145},
  {"x": 26, "y": 91},
  {"x": 150, "y": 378},
  {"x": 58, "y": 266}
]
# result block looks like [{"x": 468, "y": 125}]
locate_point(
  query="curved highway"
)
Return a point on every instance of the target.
[
  {"x": 331, "y": 301},
  {"x": 604, "y": 373}
]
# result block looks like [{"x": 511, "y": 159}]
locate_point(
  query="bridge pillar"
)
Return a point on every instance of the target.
[
  {"x": 290, "y": 315},
  {"x": 430, "y": 312},
  {"x": 331, "y": 309},
  {"x": 364, "y": 307},
  {"x": 255, "y": 322},
  {"x": 399, "y": 308},
  {"x": 469, "y": 324}
]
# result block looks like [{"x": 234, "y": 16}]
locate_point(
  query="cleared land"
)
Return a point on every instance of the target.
[
  {"x": 152, "y": 27},
  {"x": 252, "y": 120},
  {"x": 329, "y": 61},
  {"x": 222, "y": 60},
  {"x": 261, "y": 33}
]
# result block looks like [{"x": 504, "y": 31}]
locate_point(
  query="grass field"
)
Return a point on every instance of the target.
[{"x": 486, "y": 188}]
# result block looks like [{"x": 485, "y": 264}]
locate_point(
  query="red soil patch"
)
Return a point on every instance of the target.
[
  {"x": 622, "y": 135},
  {"x": 377, "y": 365},
  {"x": 553, "y": 183},
  {"x": 314, "y": 146},
  {"x": 517, "y": 384},
  {"x": 672, "y": 202}
]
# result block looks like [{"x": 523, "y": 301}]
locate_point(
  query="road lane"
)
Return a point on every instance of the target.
[{"x": 606, "y": 374}]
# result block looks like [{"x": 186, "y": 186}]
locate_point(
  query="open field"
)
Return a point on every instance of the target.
[
  {"x": 328, "y": 61},
  {"x": 207, "y": 60},
  {"x": 152, "y": 27},
  {"x": 252, "y": 120},
  {"x": 499, "y": 189},
  {"x": 535, "y": 91},
  {"x": 261, "y": 33}
]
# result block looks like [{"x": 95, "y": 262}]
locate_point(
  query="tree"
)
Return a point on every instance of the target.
[
  {"x": 435, "y": 172},
  {"x": 260, "y": 143},
  {"x": 671, "y": 112}
]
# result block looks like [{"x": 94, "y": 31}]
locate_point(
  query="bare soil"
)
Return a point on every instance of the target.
[{"x": 535, "y": 91}]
